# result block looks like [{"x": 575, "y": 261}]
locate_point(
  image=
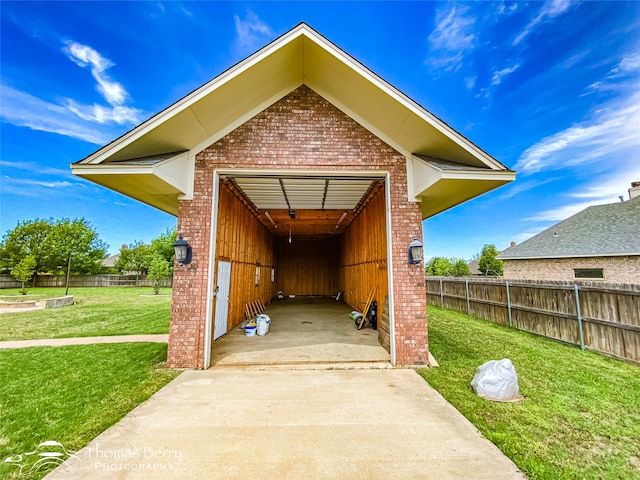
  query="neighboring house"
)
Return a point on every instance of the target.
[
  {"x": 297, "y": 170},
  {"x": 110, "y": 262},
  {"x": 599, "y": 243}
]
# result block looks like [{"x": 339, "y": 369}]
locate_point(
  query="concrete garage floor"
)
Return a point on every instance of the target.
[
  {"x": 300, "y": 424},
  {"x": 303, "y": 331}
]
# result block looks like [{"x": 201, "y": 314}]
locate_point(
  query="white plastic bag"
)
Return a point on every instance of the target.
[
  {"x": 263, "y": 322},
  {"x": 497, "y": 380}
]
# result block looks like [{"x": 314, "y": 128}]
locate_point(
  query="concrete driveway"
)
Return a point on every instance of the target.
[{"x": 292, "y": 424}]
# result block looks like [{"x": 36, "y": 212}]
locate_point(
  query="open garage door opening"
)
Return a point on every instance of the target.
[{"x": 312, "y": 248}]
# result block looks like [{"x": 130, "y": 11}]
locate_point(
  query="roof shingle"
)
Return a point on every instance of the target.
[{"x": 601, "y": 230}]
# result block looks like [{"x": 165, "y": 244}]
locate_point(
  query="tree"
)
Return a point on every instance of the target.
[
  {"x": 163, "y": 245},
  {"x": 28, "y": 238},
  {"x": 447, "y": 267},
  {"x": 460, "y": 268},
  {"x": 439, "y": 266},
  {"x": 158, "y": 270},
  {"x": 23, "y": 271},
  {"x": 74, "y": 239},
  {"x": 134, "y": 258},
  {"x": 52, "y": 243},
  {"x": 138, "y": 256},
  {"x": 489, "y": 264}
]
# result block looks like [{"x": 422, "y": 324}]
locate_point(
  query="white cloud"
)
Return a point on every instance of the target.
[
  {"x": 84, "y": 56},
  {"x": 452, "y": 37},
  {"x": 496, "y": 78},
  {"x": 503, "y": 9},
  {"x": 611, "y": 130},
  {"x": 42, "y": 183},
  {"x": 626, "y": 66},
  {"x": 251, "y": 33},
  {"x": 470, "y": 82},
  {"x": 34, "y": 167},
  {"x": 527, "y": 234},
  {"x": 550, "y": 10},
  {"x": 25, "y": 110},
  {"x": 522, "y": 186},
  {"x": 562, "y": 212},
  {"x": 66, "y": 116},
  {"x": 100, "y": 114}
]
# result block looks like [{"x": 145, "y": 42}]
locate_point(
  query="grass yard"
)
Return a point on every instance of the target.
[
  {"x": 98, "y": 311},
  {"x": 72, "y": 394},
  {"x": 581, "y": 414}
]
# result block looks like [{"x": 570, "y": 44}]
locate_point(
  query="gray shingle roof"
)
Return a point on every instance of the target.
[{"x": 601, "y": 230}]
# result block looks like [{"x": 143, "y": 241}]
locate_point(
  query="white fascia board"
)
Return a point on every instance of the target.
[
  {"x": 191, "y": 98},
  {"x": 110, "y": 169}
]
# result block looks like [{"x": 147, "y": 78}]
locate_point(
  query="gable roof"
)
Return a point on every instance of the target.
[
  {"x": 597, "y": 231},
  {"x": 299, "y": 57}
]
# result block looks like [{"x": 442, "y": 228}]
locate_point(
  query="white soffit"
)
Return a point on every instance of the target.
[{"x": 440, "y": 185}]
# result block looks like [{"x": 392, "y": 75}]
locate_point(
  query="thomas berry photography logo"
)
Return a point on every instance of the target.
[{"x": 46, "y": 456}]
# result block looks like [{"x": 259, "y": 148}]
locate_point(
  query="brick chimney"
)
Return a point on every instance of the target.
[
  {"x": 634, "y": 191},
  {"x": 512, "y": 244}
]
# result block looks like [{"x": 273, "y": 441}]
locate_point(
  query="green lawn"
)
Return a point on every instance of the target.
[
  {"x": 72, "y": 394},
  {"x": 98, "y": 311},
  {"x": 580, "y": 417}
]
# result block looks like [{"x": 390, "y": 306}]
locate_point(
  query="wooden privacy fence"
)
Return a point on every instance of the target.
[
  {"x": 7, "y": 281},
  {"x": 600, "y": 317}
]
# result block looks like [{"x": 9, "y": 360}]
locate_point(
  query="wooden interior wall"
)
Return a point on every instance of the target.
[
  {"x": 242, "y": 240},
  {"x": 308, "y": 266},
  {"x": 363, "y": 255}
]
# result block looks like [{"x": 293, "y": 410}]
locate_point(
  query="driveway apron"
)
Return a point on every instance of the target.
[{"x": 311, "y": 424}]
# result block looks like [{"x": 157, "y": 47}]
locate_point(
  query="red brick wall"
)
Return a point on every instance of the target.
[
  {"x": 301, "y": 131},
  {"x": 622, "y": 269}
]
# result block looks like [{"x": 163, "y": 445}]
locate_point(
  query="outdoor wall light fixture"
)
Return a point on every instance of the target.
[
  {"x": 416, "y": 252},
  {"x": 183, "y": 251}
]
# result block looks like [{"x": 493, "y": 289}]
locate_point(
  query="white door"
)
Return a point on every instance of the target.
[{"x": 222, "y": 299}]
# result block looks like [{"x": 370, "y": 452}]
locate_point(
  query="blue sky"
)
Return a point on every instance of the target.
[{"x": 550, "y": 89}]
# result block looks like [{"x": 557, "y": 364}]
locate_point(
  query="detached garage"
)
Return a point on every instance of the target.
[{"x": 297, "y": 171}]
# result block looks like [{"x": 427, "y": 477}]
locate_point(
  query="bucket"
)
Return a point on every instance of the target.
[{"x": 250, "y": 331}]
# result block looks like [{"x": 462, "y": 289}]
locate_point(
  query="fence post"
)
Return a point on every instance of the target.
[
  {"x": 441, "y": 295},
  {"x": 509, "y": 305},
  {"x": 579, "y": 318},
  {"x": 468, "y": 303}
]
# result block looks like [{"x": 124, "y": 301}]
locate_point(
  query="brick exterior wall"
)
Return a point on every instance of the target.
[
  {"x": 623, "y": 269},
  {"x": 301, "y": 131}
]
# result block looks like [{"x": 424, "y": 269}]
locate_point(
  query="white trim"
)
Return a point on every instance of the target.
[
  {"x": 392, "y": 326},
  {"x": 214, "y": 224},
  {"x": 190, "y": 176},
  {"x": 208, "y": 330}
]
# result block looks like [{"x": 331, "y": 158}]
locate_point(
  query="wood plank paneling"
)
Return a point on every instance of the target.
[
  {"x": 308, "y": 266},
  {"x": 242, "y": 240},
  {"x": 363, "y": 254}
]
